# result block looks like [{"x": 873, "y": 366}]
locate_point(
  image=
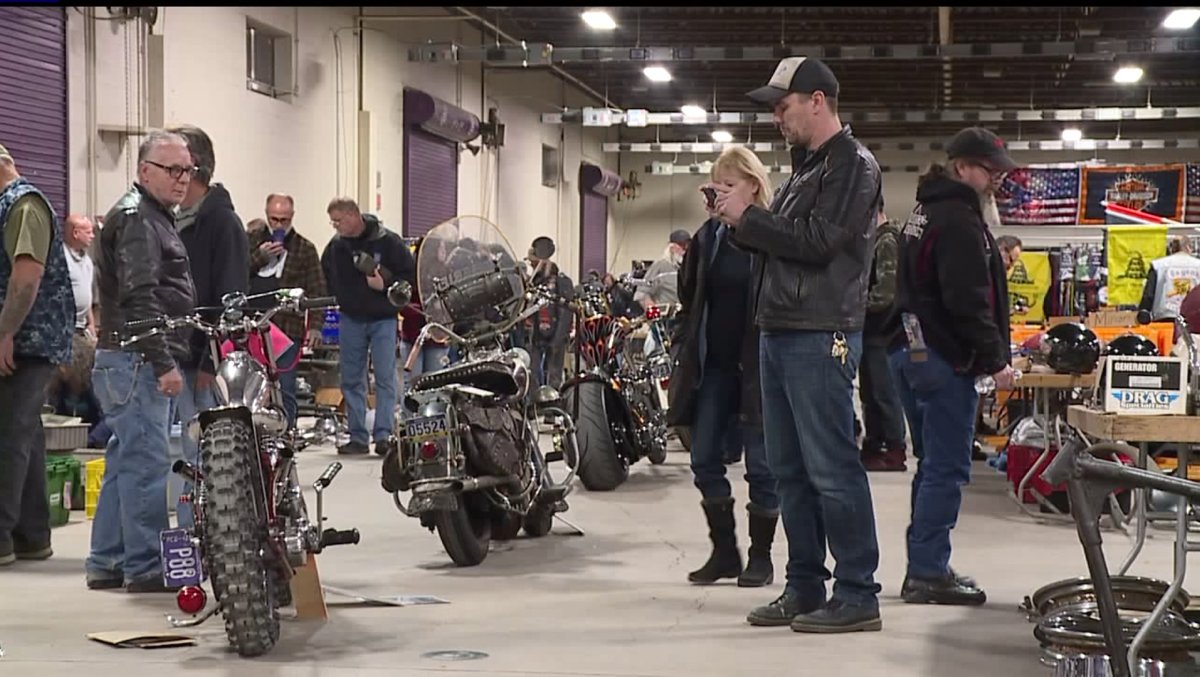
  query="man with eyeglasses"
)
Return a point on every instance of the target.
[
  {"x": 282, "y": 258},
  {"x": 220, "y": 264},
  {"x": 143, "y": 273}
]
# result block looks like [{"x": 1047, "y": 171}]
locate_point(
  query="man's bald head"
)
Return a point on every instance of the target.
[
  {"x": 280, "y": 210},
  {"x": 78, "y": 231}
]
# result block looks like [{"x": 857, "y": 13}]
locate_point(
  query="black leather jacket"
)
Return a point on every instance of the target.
[
  {"x": 143, "y": 272},
  {"x": 815, "y": 242}
]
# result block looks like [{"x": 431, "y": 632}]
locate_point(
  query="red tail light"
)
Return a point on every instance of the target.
[
  {"x": 653, "y": 313},
  {"x": 429, "y": 450},
  {"x": 191, "y": 600},
  {"x": 665, "y": 384}
]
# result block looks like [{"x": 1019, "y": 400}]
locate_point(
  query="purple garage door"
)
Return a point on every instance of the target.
[
  {"x": 596, "y": 185},
  {"x": 432, "y": 131},
  {"x": 33, "y": 96}
]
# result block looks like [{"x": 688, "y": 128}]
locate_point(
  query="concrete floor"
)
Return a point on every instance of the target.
[{"x": 614, "y": 602}]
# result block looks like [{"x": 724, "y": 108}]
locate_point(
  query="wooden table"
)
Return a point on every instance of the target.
[{"x": 1130, "y": 428}]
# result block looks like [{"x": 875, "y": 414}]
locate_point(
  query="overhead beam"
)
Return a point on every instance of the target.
[
  {"x": 945, "y": 38},
  {"x": 706, "y": 167},
  {"x": 1014, "y": 146},
  {"x": 1060, "y": 115},
  {"x": 546, "y": 54}
]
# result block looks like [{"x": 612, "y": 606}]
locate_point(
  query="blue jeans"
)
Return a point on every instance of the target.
[
  {"x": 132, "y": 507},
  {"x": 808, "y": 421},
  {"x": 358, "y": 338},
  {"x": 191, "y": 401},
  {"x": 716, "y": 415},
  {"x": 940, "y": 405},
  {"x": 287, "y": 381},
  {"x": 434, "y": 356}
]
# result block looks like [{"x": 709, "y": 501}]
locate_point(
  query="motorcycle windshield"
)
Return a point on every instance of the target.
[{"x": 468, "y": 277}]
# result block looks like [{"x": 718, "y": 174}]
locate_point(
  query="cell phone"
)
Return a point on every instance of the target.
[
  {"x": 710, "y": 195},
  {"x": 278, "y": 235}
]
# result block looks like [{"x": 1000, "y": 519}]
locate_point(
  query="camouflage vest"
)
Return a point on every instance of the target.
[{"x": 48, "y": 328}]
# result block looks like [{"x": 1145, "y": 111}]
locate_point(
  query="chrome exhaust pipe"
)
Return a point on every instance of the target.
[{"x": 477, "y": 483}]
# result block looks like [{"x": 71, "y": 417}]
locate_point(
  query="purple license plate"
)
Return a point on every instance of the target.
[{"x": 180, "y": 559}]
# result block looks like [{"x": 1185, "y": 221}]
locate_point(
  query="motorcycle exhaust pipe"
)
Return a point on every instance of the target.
[{"x": 477, "y": 483}]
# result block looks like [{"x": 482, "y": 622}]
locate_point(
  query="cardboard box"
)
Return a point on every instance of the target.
[
  {"x": 1112, "y": 318},
  {"x": 1145, "y": 386}
]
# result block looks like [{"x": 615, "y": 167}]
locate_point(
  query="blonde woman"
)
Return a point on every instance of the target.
[{"x": 715, "y": 384}]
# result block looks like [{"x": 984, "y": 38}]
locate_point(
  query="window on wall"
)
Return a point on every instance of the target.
[{"x": 268, "y": 60}]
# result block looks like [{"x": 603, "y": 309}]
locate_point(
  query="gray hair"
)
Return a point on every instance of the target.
[
  {"x": 344, "y": 205},
  {"x": 156, "y": 138},
  {"x": 201, "y": 148}
]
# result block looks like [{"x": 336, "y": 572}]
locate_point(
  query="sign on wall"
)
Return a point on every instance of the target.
[
  {"x": 1158, "y": 189},
  {"x": 1028, "y": 282},
  {"x": 1130, "y": 251}
]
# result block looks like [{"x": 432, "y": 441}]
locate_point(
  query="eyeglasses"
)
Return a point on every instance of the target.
[
  {"x": 993, "y": 173},
  {"x": 279, "y": 220},
  {"x": 174, "y": 171}
]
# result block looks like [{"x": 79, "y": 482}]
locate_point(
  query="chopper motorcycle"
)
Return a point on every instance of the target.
[
  {"x": 468, "y": 445},
  {"x": 614, "y": 395},
  {"x": 251, "y": 526}
]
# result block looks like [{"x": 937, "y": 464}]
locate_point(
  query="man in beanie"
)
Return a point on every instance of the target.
[
  {"x": 813, "y": 256},
  {"x": 550, "y": 328},
  {"x": 660, "y": 287}
]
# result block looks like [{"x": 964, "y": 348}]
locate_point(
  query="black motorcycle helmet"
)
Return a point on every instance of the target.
[
  {"x": 1071, "y": 348},
  {"x": 1132, "y": 344}
]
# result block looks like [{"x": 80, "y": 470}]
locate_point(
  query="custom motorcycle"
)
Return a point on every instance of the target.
[
  {"x": 614, "y": 394},
  {"x": 468, "y": 444},
  {"x": 251, "y": 528}
]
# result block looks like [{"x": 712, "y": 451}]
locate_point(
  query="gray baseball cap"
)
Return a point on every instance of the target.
[
  {"x": 680, "y": 236},
  {"x": 796, "y": 74}
]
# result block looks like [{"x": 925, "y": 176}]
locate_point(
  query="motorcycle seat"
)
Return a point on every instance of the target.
[{"x": 493, "y": 376}]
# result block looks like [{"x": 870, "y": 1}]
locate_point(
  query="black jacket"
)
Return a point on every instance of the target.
[
  {"x": 688, "y": 372},
  {"x": 952, "y": 278},
  {"x": 881, "y": 293},
  {"x": 220, "y": 262},
  {"x": 559, "y": 311},
  {"x": 815, "y": 241},
  {"x": 356, "y": 299},
  {"x": 143, "y": 273}
]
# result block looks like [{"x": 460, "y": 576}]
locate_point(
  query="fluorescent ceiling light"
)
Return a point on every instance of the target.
[
  {"x": 1182, "y": 19},
  {"x": 1127, "y": 75},
  {"x": 657, "y": 74},
  {"x": 599, "y": 20},
  {"x": 693, "y": 111},
  {"x": 1071, "y": 135},
  {"x": 722, "y": 136}
]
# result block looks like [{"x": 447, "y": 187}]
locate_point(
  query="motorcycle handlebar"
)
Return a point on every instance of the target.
[
  {"x": 142, "y": 325},
  {"x": 317, "y": 303},
  {"x": 327, "y": 476}
]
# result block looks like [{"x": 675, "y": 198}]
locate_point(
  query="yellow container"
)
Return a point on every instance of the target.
[{"x": 94, "y": 476}]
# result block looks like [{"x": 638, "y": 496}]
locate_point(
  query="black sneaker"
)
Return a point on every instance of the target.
[
  {"x": 382, "y": 447},
  {"x": 149, "y": 584},
  {"x": 838, "y": 616},
  {"x": 781, "y": 612},
  {"x": 34, "y": 552},
  {"x": 951, "y": 590},
  {"x": 353, "y": 449},
  {"x": 105, "y": 580}
]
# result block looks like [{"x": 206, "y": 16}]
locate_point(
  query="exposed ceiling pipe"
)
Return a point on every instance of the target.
[
  {"x": 944, "y": 39},
  {"x": 409, "y": 17},
  {"x": 521, "y": 43}
]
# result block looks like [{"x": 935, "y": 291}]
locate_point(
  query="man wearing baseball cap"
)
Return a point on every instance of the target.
[
  {"x": 813, "y": 254},
  {"x": 951, "y": 328},
  {"x": 661, "y": 285}
]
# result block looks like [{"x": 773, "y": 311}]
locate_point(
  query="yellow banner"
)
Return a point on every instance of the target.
[
  {"x": 1028, "y": 282},
  {"x": 1130, "y": 251}
]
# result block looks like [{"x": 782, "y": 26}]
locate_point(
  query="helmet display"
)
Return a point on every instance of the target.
[
  {"x": 1132, "y": 344},
  {"x": 1071, "y": 348}
]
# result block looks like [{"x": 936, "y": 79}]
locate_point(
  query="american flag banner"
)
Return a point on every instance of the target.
[
  {"x": 1191, "y": 206},
  {"x": 1033, "y": 196}
]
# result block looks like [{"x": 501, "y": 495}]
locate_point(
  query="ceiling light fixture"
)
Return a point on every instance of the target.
[
  {"x": 598, "y": 20},
  {"x": 1182, "y": 19},
  {"x": 1072, "y": 135},
  {"x": 1127, "y": 75},
  {"x": 722, "y": 136},
  {"x": 693, "y": 111},
  {"x": 657, "y": 74}
]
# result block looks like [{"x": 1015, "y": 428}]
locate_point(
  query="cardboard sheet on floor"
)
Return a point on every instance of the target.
[
  {"x": 385, "y": 600},
  {"x": 125, "y": 639}
]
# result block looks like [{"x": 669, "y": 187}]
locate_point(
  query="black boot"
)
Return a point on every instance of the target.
[
  {"x": 759, "y": 570},
  {"x": 725, "y": 560}
]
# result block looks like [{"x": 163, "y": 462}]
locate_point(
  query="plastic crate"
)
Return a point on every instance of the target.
[
  {"x": 65, "y": 436},
  {"x": 58, "y": 490},
  {"x": 93, "y": 478}
]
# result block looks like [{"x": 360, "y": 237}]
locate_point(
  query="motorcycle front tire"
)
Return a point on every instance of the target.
[
  {"x": 601, "y": 465},
  {"x": 234, "y": 538},
  {"x": 466, "y": 533}
]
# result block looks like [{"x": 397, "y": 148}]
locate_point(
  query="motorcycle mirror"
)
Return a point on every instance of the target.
[
  {"x": 1144, "y": 317},
  {"x": 546, "y": 395},
  {"x": 234, "y": 299},
  {"x": 400, "y": 293},
  {"x": 294, "y": 293}
]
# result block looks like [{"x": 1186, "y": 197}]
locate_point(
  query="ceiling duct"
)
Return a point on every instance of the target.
[
  {"x": 618, "y": 117},
  {"x": 439, "y": 118}
]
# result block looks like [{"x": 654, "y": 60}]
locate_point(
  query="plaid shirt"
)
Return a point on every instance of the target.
[{"x": 302, "y": 269}]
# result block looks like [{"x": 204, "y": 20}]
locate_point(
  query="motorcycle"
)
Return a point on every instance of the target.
[
  {"x": 468, "y": 445},
  {"x": 614, "y": 392},
  {"x": 251, "y": 526}
]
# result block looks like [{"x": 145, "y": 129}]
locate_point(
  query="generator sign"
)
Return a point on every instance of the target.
[{"x": 1145, "y": 385}]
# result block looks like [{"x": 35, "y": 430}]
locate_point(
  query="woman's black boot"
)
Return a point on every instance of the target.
[
  {"x": 725, "y": 560},
  {"x": 759, "y": 570}
]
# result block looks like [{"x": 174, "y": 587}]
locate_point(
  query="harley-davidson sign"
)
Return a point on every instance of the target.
[
  {"x": 1132, "y": 191},
  {"x": 1157, "y": 190}
]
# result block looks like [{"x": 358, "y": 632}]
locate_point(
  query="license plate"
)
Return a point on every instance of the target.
[
  {"x": 425, "y": 426},
  {"x": 661, "y": 370},
  {"x": 180, "y": 558}
]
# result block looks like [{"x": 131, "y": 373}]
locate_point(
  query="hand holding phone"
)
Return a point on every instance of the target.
[{"x": 710, "y": 196}]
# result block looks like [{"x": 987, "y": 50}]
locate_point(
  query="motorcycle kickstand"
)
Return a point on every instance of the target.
[
  {"x": 576, "y": 531},
  {"x": 193, "y": 622}
]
